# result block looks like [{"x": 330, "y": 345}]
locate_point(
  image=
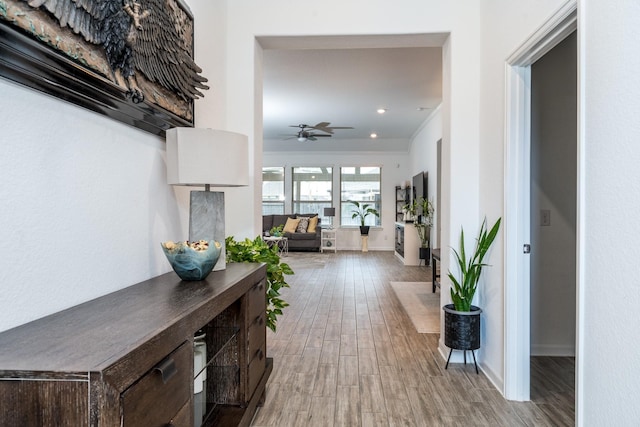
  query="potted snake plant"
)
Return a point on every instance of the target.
[{"x": 461, "y": 318}]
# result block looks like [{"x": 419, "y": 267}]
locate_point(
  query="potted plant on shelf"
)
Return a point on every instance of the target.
[
  {"x": 362, "y": 211},
  {"x": 461, "y": 319},
  {"x": 424, "y": 226},
  {"x": 409, "y": 211}
]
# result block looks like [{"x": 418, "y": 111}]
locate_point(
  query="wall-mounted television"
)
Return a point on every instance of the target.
[{"x": 420, "y": 188}]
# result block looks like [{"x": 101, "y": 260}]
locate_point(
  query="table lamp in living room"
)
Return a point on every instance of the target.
[
  {"x": 209, "y": 158},
  {"x": 330, "y": 213}
]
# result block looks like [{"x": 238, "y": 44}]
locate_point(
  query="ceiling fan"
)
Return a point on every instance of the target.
[{"x": 306, "y": 132}]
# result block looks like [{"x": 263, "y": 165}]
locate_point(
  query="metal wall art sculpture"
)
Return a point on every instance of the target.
[{"x": 129, "y": 59}]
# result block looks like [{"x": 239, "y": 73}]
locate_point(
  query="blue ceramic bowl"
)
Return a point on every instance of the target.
[{"x": 190, "y": 264}]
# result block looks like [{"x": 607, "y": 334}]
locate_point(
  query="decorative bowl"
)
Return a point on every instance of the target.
[{"x": 192, "y": 260}]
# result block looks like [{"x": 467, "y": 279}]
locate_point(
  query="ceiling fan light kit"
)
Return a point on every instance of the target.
[{"x": 306, "y": 132}]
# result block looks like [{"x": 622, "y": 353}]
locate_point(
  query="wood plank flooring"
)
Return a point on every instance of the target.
[{"x": 346, "y": 354}]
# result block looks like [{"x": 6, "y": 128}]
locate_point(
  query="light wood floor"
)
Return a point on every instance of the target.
[{"x": 346, "y": 354}]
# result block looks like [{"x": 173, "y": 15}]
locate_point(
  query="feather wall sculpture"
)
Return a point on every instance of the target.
[{"x": 143, "y": 40}]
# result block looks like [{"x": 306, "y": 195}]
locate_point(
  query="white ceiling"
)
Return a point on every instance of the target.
[{"x": 345, "y": 86}]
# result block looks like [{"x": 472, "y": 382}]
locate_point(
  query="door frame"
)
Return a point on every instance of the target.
[{"x": 517, "y": 302}]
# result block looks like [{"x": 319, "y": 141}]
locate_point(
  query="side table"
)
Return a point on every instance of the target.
[
  {"x": 328, "y": 240},
  {"x": 281, "y": 242}
]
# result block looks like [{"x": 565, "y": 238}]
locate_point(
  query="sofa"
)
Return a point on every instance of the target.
[{"x": 297, "y": 241}]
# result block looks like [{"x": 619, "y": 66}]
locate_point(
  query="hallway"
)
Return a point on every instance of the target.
[{"x": 346, "y": 354}]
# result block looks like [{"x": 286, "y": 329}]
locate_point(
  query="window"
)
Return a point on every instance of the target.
[
  {"x": 361, "y": 184},
  {"x": 312, "y": 189},
  {"x": 272, "y": 190}
]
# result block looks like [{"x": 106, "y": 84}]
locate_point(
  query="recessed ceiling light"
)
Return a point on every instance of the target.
[
  {"x": 373, "y": 135},
  {"x": 381, "y": 110},
  {"x": 423, "y": 108}
]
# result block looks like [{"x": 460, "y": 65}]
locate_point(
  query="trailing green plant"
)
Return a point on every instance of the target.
[
  {"x": 465, "y": 287},
  {"x": 362, "y": 211},
  {"x": 257, "y": 250}
]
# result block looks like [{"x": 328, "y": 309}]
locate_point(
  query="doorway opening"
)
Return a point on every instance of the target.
[{"x": 518, "y": 218}]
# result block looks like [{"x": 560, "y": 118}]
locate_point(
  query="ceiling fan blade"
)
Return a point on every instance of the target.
[{"x": 324, "y": 127}]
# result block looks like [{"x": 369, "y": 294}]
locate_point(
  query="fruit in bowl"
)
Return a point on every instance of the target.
[{"x": 192, "y": 260}]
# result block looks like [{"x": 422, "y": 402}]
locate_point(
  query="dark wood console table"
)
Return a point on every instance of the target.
[{"x": 127, "y": 358}]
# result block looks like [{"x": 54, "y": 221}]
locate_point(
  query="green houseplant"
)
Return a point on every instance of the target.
[
  {"x": 276, "y": 231},
  {"x": 461, "y": 319},
  {"x": 257, "y": 250},
  {"x": 362, "y": 211},
  {"x": 410, "y": 210},
  {"x": 465, "y": 286},
  {"x": 423, "y": 227}
]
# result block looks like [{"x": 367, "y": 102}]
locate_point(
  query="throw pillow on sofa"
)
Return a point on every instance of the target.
[
  {"x": 303, "y": 224},
  {"x": 313, "y": 223},
  {"x": 291, "y": 225}
]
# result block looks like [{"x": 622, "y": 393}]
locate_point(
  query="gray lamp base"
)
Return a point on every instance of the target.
[{"x": 206, "y": 220}]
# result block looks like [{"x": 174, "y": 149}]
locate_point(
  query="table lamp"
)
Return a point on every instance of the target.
[
  {"x": 330, "y": 212},
  {"x": 209, "y": 158}
]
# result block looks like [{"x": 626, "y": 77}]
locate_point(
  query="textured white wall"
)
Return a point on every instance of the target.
[
  {"x": 85, "y": 205},
  {"x": 608, "y": 368},
  {"x": 85, "y": 200}
]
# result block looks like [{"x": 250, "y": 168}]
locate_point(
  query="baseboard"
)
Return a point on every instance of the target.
[
  {"x": 553, "y": 350},
  {"x": 359, "y": 248}
]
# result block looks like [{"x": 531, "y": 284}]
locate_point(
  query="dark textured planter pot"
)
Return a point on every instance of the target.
[
  {"x": 425, "y": 253},
  {"x": 461, "y": 328},
  {"x": 364, "y": 230}
]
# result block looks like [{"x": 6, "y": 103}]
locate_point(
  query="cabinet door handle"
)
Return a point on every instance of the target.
[
  {"x": 258, "y": 319},
  {"x": 167, "y": 369},
  {"x": 260, "y": 354}
]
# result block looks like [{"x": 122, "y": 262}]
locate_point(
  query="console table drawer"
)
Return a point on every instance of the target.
[
  {"x": 184, "y": 418},
  {"x": 257, "y": 299},
  {"x": 257, "y": 333},
  {"x": 256, "y": 367},
  {"x": 157, "y": 398}
]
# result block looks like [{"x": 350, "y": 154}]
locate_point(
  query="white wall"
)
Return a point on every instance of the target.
[
  {"x": 423, "y": 156},
  {"x": 85, "y": 200},
  {"x": 395, "y": 167},
  {"x": 609, "y": 231},
  {"x": 505, "y": 25},
  {"x": 85, "y": 205}
]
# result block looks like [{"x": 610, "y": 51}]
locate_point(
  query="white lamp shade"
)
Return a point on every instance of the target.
[{"x": 207, "y": 156}]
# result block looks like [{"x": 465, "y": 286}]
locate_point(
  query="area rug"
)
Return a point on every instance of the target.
[{"x": 422, "y": 305}]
